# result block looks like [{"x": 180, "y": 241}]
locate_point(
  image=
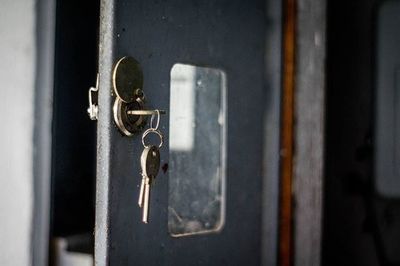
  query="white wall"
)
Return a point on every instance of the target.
[{"x": 17, "y": 79}]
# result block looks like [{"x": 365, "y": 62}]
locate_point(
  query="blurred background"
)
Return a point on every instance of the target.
[{"x": 49, "y": 59}]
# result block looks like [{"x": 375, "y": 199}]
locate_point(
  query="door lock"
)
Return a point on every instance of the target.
[
  {"x": 93, "y": 109},
  {"x": 129, "y": 111},
  {"x": 130, "y": 114}
]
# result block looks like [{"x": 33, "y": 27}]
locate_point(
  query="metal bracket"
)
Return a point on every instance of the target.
[{"x": 93, "y": 109}]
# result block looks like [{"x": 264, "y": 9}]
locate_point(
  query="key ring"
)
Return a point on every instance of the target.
[
  {"x": 155, "y": 131},
  {"x": 152, "y": 120}
]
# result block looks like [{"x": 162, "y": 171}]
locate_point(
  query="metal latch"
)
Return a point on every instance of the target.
[{"x": 93, "y": 108}]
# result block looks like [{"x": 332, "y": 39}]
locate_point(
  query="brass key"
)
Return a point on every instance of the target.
[{"x": 150, "y": 163}]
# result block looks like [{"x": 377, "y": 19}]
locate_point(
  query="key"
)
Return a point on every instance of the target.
[
  {"x": 141, "y": 192},
  {"x": 150, "y": 163},
  {"x": 143, "y": 161},
  {"x": 143, "y": 166},
  {"x": 146, "y": 200}
]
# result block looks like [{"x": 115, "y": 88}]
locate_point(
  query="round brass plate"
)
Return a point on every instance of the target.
[{"x": 127, "y": 78}]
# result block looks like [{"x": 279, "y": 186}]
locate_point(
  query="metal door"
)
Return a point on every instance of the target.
[{"x": 242, "y": 38}]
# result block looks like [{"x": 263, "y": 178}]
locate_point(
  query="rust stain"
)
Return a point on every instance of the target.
[{"x": 285, "y": 252}]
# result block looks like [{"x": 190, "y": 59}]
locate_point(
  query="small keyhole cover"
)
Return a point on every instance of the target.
[{"x": 127, "y": 79}]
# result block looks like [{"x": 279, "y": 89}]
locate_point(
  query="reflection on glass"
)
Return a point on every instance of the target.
[{"x": 197, "y": 154}]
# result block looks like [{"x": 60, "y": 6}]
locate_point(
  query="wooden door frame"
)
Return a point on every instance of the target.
[{"x": 303, "y": 125}]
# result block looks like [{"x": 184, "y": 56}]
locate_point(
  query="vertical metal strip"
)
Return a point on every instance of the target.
[
  {"x": 272, "y": 116},
  {"x": 285, "y": 226},
  {"x": 42, "y": 133},
  {"x": 104, "y": 127},
  {"x": 309, "y": 131}
]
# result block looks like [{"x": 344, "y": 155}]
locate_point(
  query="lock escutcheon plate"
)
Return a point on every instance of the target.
[
  {"x": 127, "y": 79},
  {"x": 128, "y": 124},
  {"x": 129, "y": 113}
]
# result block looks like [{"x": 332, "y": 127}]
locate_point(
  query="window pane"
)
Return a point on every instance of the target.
[{"x": 197, "y": 154}]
